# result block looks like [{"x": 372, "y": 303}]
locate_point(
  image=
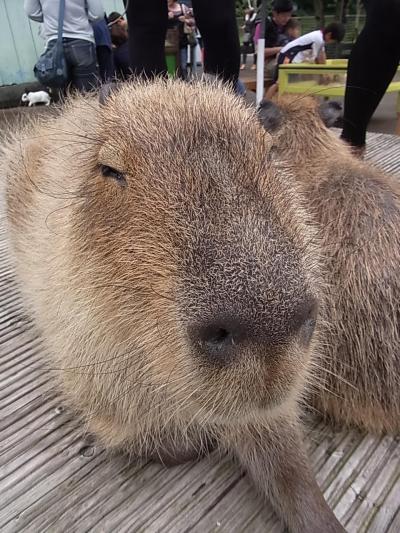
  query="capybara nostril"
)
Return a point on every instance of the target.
[
  {"x": 217, "y": 336},
  {"x": 305, "y": 319},
  {"x": 218, "y": 339}
]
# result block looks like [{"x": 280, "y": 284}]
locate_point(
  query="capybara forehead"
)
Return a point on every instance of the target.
[
  {"x": 175, "y": 119},
  {"x": 301, "y": 115}
]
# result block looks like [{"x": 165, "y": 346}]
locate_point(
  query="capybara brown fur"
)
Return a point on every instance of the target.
[
  {"x": 357, "y": 207},
  {"x": 174, "y": 272}
]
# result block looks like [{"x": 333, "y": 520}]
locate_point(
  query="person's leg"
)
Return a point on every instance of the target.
[
  {"x": 106, "y": 63},
  {"x": 193, "y": 62},
  {"x": 183, "y": 57},
  {"x": 273, "y": 89},
  {"x": 81, "y": 60},
  {"x": 372, "y": 65},
  {"x": 219, "y": 31},
  {"x": 147, "y": 21},
  {"x": 254, "y": 65},
  {"x": 245, "y": 51},
  {"x": 244, "y": 58}
]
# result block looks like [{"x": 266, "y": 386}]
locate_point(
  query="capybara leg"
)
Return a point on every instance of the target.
[
  {"x": 277, "y": 463},
  {"x": 172, "y": 454}
]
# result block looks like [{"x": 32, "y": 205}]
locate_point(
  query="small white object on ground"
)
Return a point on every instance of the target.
[{"x": 36, "y": 97}]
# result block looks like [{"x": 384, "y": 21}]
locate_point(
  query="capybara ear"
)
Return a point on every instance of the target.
[
  {"x": 270, "y": 115},
  {"x": 106, "y": 90},
  {"x": 330, "y": 112}
]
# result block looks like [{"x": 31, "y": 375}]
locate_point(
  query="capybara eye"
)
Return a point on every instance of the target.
[{"x": 109, "y": 172}]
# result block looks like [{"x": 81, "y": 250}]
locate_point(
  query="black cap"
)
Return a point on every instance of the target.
[
  {"x": 282, "y": 6},
  {"x": 114, "y": 16}
]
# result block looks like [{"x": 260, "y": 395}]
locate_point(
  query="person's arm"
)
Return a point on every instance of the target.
[
  {"x": 272, "y": 51},
  {"x": 33, "y": 10},
  {"x": 95, "y": 10},
  {"x": 321, "y": 57}
]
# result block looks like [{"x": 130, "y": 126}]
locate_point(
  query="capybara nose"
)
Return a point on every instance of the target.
[{"x": 221, "y": 340}]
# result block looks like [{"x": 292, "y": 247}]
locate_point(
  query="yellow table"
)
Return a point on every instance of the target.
[{"x": 336, "y": 67}]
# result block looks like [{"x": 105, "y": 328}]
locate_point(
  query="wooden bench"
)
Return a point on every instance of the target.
[{"x": 333, "y": 67}]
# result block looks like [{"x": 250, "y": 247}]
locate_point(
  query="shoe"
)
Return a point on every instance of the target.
[
  {"x": 358, "y": 151},
  {"x": 253, "y": 67},
  {"x": 242, "y": 67}
]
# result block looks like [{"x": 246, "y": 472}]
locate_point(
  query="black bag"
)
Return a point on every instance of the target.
[{"x": 50, "y": 69}]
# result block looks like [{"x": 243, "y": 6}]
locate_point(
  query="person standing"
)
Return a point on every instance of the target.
[
  {"x": 372, "y": 65},
  {"x": 78, "y": 36},
  {"x": 181, "y": 18},
  {"x": 104, "y": 52},
  {"x": 275, "y": 27},
  {"x": 248, "y": 36},
  {"x": 119, "y": 38},
  {"x": 148, "y": 20}
]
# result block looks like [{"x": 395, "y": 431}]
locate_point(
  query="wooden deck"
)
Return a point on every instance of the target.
[{"x": 52, "y": 478}]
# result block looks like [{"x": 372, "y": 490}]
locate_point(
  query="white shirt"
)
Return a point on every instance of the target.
[
  {"x": 305, "y": 49},
  {"x": 77, "y": 15}
]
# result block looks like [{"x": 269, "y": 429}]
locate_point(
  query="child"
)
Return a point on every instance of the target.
[
  {"x": 292, "y": 32},
  {"x": 308, "y": 48}
]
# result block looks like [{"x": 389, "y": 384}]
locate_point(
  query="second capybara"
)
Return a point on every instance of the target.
[{"x": 357, "y": 207}]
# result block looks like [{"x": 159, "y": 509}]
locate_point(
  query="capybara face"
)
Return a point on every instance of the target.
[
  {"x": 176, "y": 270},
  {"x": 299, "y": 125},
  {"x": 198, "y": 252}
]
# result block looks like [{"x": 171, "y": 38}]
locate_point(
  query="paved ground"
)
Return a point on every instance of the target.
[{"x": 384, "y": 120}]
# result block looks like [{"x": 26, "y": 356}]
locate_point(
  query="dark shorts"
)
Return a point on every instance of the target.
[{"x": 281, "y": 59}]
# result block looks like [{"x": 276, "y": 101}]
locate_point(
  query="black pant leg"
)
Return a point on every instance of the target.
[
  {"x": 372, "y": 66},
  {"x": 147, "y": 20},
  {"x": 105, "y": 61},
  {"x": 218, "y": 27}
]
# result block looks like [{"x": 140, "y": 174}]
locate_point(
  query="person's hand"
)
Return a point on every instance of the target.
[
  {"x": 170, "y": 15},
  {"x": 325, "y": 79}
]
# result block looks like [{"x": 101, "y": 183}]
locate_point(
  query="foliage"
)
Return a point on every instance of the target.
[{"x": 308, "y": 7}]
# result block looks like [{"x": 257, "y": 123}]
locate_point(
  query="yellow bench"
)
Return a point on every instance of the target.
[{"x": 329, "y": 90}]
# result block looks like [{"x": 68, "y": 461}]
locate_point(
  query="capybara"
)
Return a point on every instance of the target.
[
  {"x": 357, "y": 207},
  {"x": 173, "y": 269}
]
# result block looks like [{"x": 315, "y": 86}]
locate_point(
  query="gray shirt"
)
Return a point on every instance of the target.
[{"x": 77, "y": 15}]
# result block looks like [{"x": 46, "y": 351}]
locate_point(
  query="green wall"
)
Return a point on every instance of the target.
[{"x": 20, "y": 44}]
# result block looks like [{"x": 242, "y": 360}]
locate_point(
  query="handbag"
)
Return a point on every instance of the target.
[
  {"x": 51, "y": 69},
  {"x": 189, "y": 30},
  {"x": 190, "y": 35}
]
